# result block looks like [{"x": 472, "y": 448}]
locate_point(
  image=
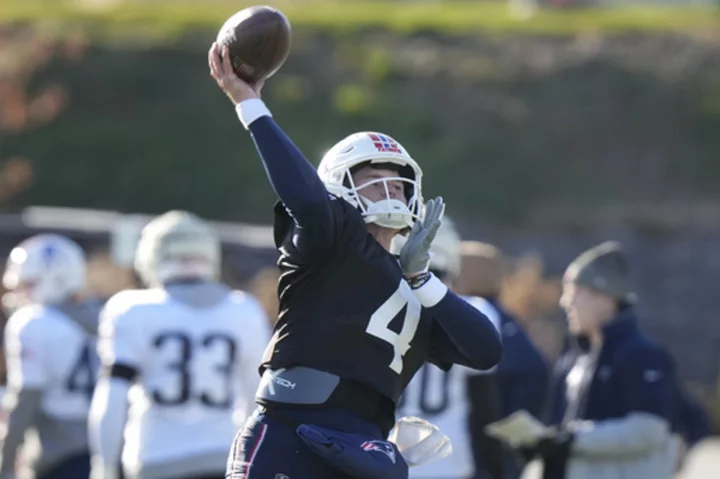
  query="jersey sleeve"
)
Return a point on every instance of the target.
[
  {"x": 119, "y": 339},
  {"x": 26, "y": 347},
  {"x": 296, "y": 182},
  {"x": 486, "y": 308},
  {"x": 345, "y": 225},
  {"x": 463, "y": 335}
]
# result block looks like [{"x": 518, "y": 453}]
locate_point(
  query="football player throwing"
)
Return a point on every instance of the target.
[{"x": 355, "y": 321}]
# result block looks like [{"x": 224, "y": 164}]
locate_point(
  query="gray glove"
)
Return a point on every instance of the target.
[{"x": 415, "y": 253}]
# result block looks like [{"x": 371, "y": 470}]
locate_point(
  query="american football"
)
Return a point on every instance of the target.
[{"x": 258, "y": 39}]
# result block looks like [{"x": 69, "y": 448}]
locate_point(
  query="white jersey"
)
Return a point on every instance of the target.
[
  {"x": 441, "y": 398},
  {"x": 198, "y": 371},
  {"x": 48, "y": 351}
]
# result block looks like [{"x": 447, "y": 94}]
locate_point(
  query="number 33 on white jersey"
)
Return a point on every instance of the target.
[{"x": 197, "y": 370}]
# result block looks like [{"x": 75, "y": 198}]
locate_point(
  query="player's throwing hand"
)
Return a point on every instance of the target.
[
  {"x": 415, "y": 254},
  {"x": 221, "y": 70}
]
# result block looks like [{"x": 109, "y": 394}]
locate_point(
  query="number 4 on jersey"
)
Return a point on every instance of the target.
[
  {"x": 82, "y": 376},
  {"x": 380, "y": 322}
]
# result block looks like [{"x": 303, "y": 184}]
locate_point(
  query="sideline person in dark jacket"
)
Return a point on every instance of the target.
[{"x": 614, "y": 395}]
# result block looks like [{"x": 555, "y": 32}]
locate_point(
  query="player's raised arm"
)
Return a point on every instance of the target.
[
  {"x": 292, "y": 176},
  {"x": 465, "y": 335},
  {"x": 25, "y": 348}
]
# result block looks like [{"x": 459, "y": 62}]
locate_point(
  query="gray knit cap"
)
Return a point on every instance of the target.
[{"x": 604, "y": 268}]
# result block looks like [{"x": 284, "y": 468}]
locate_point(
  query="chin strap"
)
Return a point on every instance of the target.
[{"x": 388, "y": 213}]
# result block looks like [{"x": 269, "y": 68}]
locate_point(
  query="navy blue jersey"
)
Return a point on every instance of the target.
[
  {"x": 351, "y": 314},
  {"x": 344, "y": 306}
]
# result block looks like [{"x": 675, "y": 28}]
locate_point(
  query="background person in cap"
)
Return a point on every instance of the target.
[
  {"x": 462, "y": 401},
  {"x": 614, "y": 396}
]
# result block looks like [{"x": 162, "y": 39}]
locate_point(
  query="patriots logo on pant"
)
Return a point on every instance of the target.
[{"x": 380, "y": 446}]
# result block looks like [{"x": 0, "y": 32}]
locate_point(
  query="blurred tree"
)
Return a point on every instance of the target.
[{"x": 23, "y": 51}]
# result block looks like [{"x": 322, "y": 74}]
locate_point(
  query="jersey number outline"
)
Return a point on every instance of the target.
[
  {"x": 427, "y": 407},
  {"x": 381, "y": 318},
  {"x": 188, "y": 351},
  {"x": 82, "y": 376}
]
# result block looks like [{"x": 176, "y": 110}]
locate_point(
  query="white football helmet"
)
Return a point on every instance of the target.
[
  {"x": 177, "y": 245},
  {"x": 43, "y": 269},
  {"x": 444, "y": 250},
  {"x": 374, "y": 148}
]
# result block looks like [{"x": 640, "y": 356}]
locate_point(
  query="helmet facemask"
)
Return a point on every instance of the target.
[
  {"x": 387, "y": 212},
  {"x": 177, "y": 246},
  {"x": 186, "y": 257}
]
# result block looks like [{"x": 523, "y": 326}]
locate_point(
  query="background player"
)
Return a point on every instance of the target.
[
  {"x": 519, "y": 381},
  {"x": 355, "y": 323},
  {"x": 462, "y": 401},
  {"x": 191, "y": 346},
  {"x": 51, "y": 359}
]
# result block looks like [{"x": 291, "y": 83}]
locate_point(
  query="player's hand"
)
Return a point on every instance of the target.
[
  {"x": 221, "y": 70},
  {"x": 415, "y": 253}
]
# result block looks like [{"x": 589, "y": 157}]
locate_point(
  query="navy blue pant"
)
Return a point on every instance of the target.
[
  {"x": 268, "y": 449},
  {"x": 74, "y": 467}
]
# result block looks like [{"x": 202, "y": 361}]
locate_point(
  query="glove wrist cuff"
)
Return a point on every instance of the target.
[
  {"x": 418, "y": 280},
  {"x": 431, "y": 291},
  {"x": 250, "y": 110}
]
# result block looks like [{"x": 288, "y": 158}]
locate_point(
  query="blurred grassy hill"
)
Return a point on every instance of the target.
[
  {"x": 549, "y": 120},
  {"x": 459, "y": 16}
]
